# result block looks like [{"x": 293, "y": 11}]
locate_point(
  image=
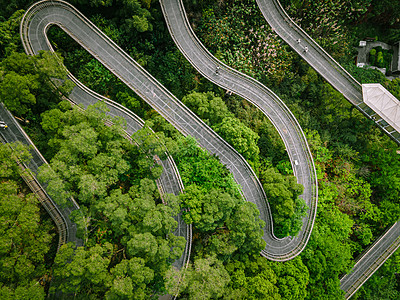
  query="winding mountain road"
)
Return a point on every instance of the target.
[
  {"x": 45, "y": 13},
  {"x": 33, "y": 34},
  {"x": 280, "y": 116},
  {"x": 375, "y": 255},
  {"x": 320, "y": 60}
]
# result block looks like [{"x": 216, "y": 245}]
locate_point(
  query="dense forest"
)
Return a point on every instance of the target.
[{"x": 127, "y": 227}]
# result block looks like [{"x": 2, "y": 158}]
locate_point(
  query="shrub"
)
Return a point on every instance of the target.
[
  {"x": 372, "y": 52},
  {"x": 372, "y": 59},
  {"x": 379, "y": 60}
]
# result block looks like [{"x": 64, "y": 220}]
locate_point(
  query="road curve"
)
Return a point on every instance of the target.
[
  {"x": 375, "y": 255},
  {"x": 45, "y": 13},
  {"x": 280, "y": 116},
  {"x": 33, "y": 34}
]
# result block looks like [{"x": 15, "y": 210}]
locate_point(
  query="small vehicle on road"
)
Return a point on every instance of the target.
[{"x": 3, "y": 125}]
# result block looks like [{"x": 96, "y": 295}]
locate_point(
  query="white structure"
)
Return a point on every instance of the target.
[{"x": 383, "y": 103}]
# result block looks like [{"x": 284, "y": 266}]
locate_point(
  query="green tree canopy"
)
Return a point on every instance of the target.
[
  {"x": 206, "y": 278},
  {"x": 82, "y": 271},
  {"x": 251, "y": 278},
  {"x": 25, "y": 234},
  {"x": 283, "y": 195},
  {"x": 207, "y": 106},
  {"x": 9, "y": 34},
  {"x": 25, "y": 81},
  {"x": 206, "y": 210},
  {"x": 242, "y": 138}
]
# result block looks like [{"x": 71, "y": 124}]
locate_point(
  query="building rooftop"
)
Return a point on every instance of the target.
[{"x": 383, "y": 103}]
